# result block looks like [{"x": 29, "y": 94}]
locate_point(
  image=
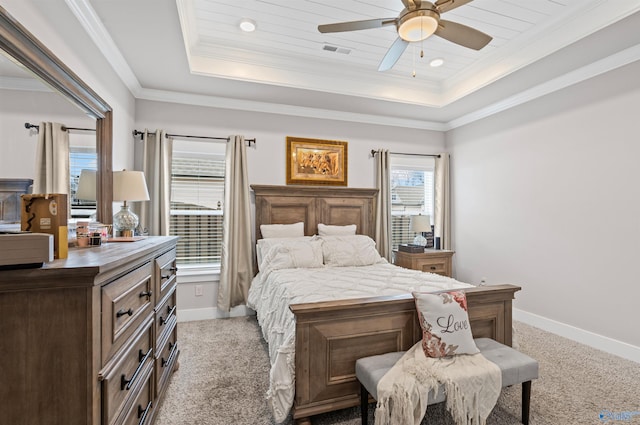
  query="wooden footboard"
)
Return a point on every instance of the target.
[{"x": 331, "y": 336}]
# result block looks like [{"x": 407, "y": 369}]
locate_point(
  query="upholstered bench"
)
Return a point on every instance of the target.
[{"x": 517, "y": 368}]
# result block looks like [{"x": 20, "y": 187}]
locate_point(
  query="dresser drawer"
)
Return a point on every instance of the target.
[
  {"x": 140, "y": 411},
  {"x": 166, "y": 358},
  {"x": 165, "y": 273},
  {"x": 166, "y": 315},
  {"x": 126, "y": 303},
  {"x": 127, "y": 373}
]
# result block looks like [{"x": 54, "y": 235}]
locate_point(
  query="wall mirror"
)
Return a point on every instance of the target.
[{"x": 19, "y": 44}]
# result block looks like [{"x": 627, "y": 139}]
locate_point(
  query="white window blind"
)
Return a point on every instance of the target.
[
  {"x": 81, "y": 158},
  {"x": 412, "y": 193},
  {"x": 197, "y": 196}
]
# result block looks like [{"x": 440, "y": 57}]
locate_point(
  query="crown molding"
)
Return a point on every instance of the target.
[
  {"x": 92, "y": 24},
  {"x": 280, "y": 109},
  {"x": 98, "y": 33},
  {"x": 617, "y": 60},
  {"x": 543, "y": 40}
]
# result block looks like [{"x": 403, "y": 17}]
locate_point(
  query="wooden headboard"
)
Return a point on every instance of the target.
[{"x": 316, "y": 204}]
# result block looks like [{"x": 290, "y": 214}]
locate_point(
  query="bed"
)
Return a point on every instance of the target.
[{"x": 332, "y": 333}]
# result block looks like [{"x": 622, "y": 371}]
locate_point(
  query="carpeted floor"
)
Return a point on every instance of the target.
[{"x": 224, "y": 369}]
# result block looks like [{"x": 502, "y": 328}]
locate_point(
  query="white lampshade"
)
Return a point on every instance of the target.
[
  {"x": 418, "y": 25},
  {"x": 86, "y": 185},
  {"x": 129, "y": 186},
  {"x": 420, "y": 223}
]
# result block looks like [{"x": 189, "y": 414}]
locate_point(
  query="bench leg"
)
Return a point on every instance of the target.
[
  {"x": 526, "y": 400},
  {"x": 364, "y": 404}
]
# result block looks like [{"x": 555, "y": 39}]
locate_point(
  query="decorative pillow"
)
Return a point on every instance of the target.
[
  {"x": 352, "y": 250},
  {"x": 264, "y": 245},
  {"x": 329, "y": 230},
  {"x": 282, "y": 230},
  {"x": 446, "y": 330},
  {"x": 292, "y": 254}
]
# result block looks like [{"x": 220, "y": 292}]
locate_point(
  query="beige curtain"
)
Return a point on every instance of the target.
[
  {"x": 52, "y": 159},
  {"x": 236, "y": 268},
  {"x": 155, "y": 214},
  {"x": 443, "y": 202},
  {"x": 383, "y": 206}
]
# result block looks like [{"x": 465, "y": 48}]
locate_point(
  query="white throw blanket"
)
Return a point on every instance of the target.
[{"x": 472, "y": 384}]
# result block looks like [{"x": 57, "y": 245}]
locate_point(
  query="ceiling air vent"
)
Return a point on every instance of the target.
[{"x": 336, "y": 49}]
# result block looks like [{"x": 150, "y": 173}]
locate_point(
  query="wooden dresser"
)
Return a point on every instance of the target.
[
  {"x": 90, "y": 339},
  {"x": 431, "y": 260}
]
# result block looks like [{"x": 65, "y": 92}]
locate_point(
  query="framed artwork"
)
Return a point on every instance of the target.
[{"x": 316, "y": 162}]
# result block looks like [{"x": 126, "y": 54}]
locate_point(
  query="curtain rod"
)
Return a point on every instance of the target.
[
  {"x": 249, "y": 141},
  {"x": 374, "y": 152},
  {"x": 64, "y": 128}
]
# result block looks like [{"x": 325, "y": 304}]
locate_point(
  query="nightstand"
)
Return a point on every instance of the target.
[{"x": 431, "y": 260}]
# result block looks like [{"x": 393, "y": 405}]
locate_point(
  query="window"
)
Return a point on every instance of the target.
[
  {"x": 412, "y": 193},
  {"x": 81, "y": 158},
  {"x": 197, "y": 196}
]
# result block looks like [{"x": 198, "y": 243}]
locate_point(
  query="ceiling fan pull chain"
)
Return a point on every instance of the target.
[{"x": 413, "y": 74}]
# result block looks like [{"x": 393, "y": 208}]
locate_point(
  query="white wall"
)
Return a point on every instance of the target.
[
  {"x": 53, "y": 23},
  {"x": 17, "y": 144},
  {"x": 267, "y": 159},
  {"x": 547, "y": 196}
]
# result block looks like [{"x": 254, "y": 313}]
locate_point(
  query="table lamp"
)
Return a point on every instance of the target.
[
  {"x": 86, "y": 185},
  {"x": 420, "y": 224},
  {"x": 128, "y": 186},
  {"x": 86, "y": 190}
]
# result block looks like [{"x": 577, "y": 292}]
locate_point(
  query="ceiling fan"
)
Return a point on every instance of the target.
[{"x": 417, "y": 21}]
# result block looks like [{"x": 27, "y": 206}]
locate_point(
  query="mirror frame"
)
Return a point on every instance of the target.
[{"x": 24, "y": 47}]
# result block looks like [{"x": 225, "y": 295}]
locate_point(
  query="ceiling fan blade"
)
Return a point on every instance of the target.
[
  {"x": 462, "y": 35},
  {"x": 412, "y": 4},
  {"x": 356, "y": 25},
  {"x": 393, "y": 54},
  {"x": 447, "y": 5}
]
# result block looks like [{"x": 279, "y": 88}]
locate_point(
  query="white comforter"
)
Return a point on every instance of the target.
[{"x": 272, "y": 292}]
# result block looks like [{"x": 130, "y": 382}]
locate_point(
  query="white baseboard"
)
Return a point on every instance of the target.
[
  {"x": 209, "y": 313},
  {"x": 609, "y": 345}
]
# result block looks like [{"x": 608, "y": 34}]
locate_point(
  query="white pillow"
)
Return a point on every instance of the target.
[
  {"x": 282, "y": 230},
  {"x": 446, "y": 330},
  {"x": 329, "y": 230},
  {"x": 351, "y": 250},
  {"x": 263, "y": 245},
  {"x": 292, "y": 254}
]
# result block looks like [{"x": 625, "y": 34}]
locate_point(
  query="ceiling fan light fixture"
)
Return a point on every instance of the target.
[
  {"x": 417, "y": 25},
  {"x": 247, "y": 25}
]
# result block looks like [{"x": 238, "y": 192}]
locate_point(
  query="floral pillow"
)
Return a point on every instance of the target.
[{"x": 446, "y": 330}]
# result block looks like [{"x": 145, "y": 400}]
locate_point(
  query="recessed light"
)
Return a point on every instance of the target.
[
  {"x": 247, "y": 25},
  {"x": 436, "y": 62}
]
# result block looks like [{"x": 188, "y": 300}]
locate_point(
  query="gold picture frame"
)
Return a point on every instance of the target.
[{"x": 316, "y": 162}]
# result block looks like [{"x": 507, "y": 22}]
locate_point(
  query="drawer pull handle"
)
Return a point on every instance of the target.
[
  {"x": 146, "y": 294},
  {"x": 433, "y": 267},
  {"x": 172, "y": 270},
  {"x": 142, "y": 414},
  {"x": 122, "y": 312},
  {"x": 170, "y": 312},
  {"x": 173, "y": 347},
  {"x": 125, "y": 384}
]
